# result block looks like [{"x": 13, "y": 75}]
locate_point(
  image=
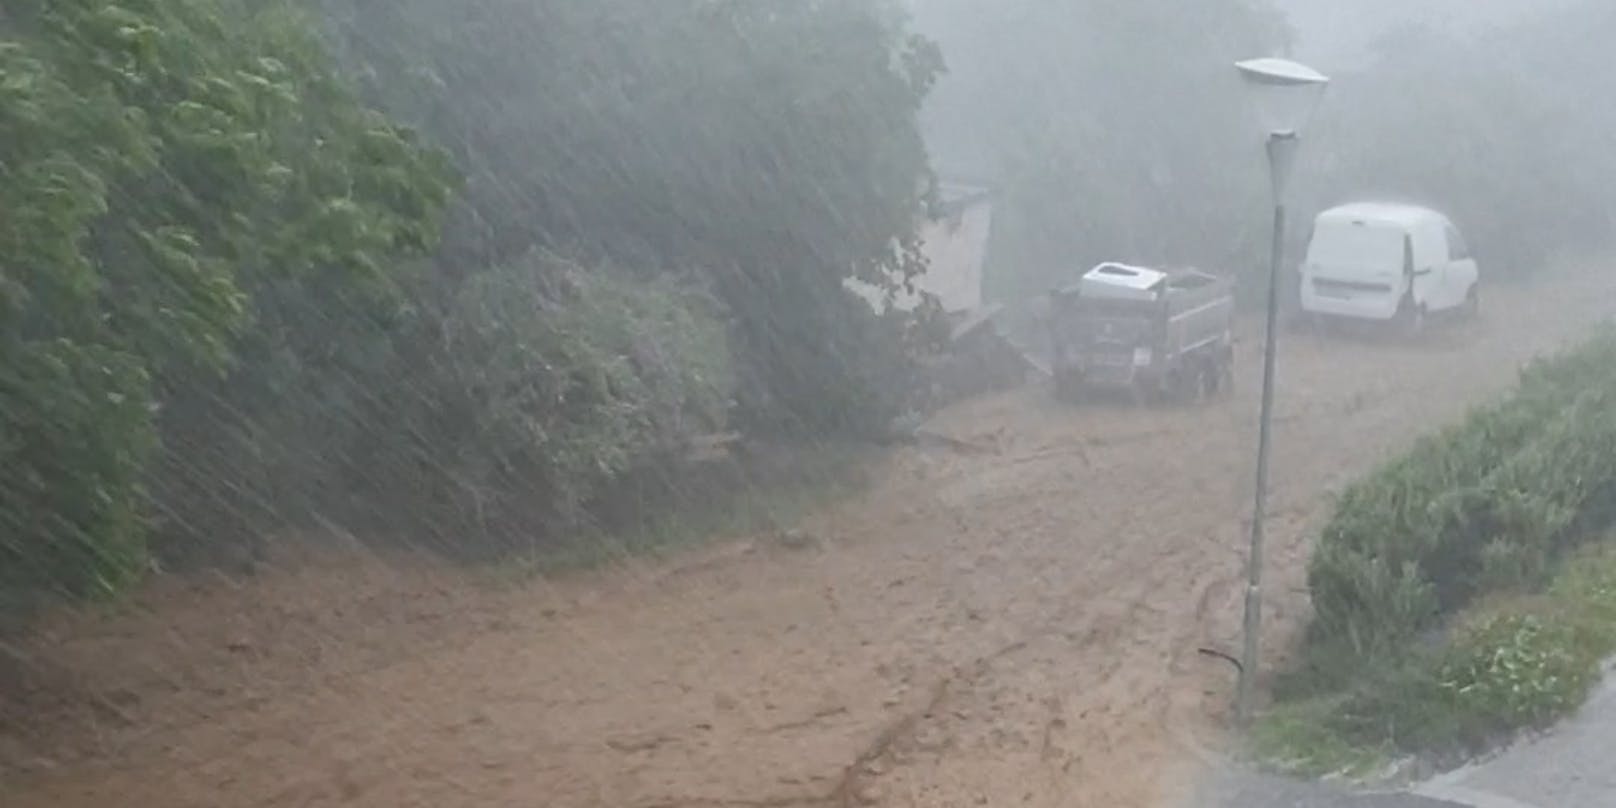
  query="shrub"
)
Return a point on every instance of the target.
[
  {"x": 1588, "y": 582},
  {"x": 821, "y": 362},
  {"x": 1519, "y": 669},
  {"x": 165, "y": 162},
  {"x": 1524, "y": 664},
  {"x": 550, "y": 381},
  {"x": 1480, "y": 506},
  {"x": 772, "y": 147},
  {"x": 74, "y": 434},
  {"x": 1492, "y": 505}
]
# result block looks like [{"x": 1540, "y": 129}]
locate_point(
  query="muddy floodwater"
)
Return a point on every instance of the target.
[{"x": 1010, "y": 619}]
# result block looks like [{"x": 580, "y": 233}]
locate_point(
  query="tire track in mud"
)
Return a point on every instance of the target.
[
  {"x": 1179, "y": 648},
  {"x": 1081, "y": 622},
  {"x": 1014, "y": 627}
]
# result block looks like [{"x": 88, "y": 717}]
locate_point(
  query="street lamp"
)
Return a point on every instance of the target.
[{"x": 1285, "y": 94}]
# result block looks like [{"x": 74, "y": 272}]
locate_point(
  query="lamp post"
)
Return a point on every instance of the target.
[{"x": 1285, "y": 94}]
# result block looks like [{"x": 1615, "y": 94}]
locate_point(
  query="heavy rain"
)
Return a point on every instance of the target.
[{"x": 743, "y": 403}]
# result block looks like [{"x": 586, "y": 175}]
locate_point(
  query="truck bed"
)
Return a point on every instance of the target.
[{"x": 1123, "y": 342}]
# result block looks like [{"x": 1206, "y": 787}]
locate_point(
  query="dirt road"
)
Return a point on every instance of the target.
[{"x": 1012, "y": 626}]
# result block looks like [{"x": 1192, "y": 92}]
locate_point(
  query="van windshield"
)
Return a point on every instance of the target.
[{"x": 1352, "y": 245}]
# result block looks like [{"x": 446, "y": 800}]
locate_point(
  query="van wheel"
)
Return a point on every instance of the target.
[{"x": 1411, "y": 318}]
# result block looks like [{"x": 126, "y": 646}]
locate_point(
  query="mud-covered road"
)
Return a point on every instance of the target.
[{"x": 1014, "y": 624}]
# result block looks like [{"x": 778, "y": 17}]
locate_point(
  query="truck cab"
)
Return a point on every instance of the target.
[{"x": 1154, "y": 333}]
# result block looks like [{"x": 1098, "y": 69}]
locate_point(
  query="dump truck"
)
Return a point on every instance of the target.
[{"x": 1157, "y": 335}]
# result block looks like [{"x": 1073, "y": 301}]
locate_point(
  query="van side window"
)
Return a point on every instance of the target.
[{"x": 1457, "y": 251}]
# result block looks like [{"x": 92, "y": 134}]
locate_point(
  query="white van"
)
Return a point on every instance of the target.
[{"x": 1382, "y": 261}]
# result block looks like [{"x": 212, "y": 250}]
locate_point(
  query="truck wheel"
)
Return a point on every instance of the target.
[
  {"x": 1180, "y": 386},
  {"x": 1209, "y": 380},
  {"x": 1184, "y": 385},
  {"x": 1067, "y": 386},
  {"x": 1218, "y": 377},
  {"x": 1144, "y": 395}
]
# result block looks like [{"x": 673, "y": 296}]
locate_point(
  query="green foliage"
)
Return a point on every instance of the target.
[
  {"x": 569, "y": 377},
  {"x": 1520, "y": 664},
  {"x": 164, "y": 163},
  {"x": 1483, "y": 505},
  {"x": 1358, "y": 723},
  {"x": 1467, "y": 134},
  {"x": 1301, "y": 738},
  {"x": 1404, "y": 655},
  {"x": 1588, "y": 580},
  {"x": 1119, "y": 131},
  {"x": 770, "y": 145},
  {"x": 1116, "y": 131},
  {"x": 753, "y": 491},
  {"x": 1519, "y": 669},
  {"x": 216, "y": 313},
  {"x": 74, "y": 432}
]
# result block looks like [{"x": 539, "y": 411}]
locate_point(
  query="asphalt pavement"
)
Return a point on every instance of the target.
[
  {"x": 1237, "y": 789},
  {"x": 1572, "y": 766}
]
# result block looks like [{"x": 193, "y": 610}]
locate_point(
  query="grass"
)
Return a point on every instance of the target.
[
  {"x": 1503, "y": 666},
  {"x": 759, "y": 492}
]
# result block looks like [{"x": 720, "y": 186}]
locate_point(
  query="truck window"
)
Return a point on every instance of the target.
[{"x": 1457, "y": 251}]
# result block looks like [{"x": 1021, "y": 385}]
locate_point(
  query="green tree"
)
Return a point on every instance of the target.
[
  {"x": 168, "y": 167},
  {"x": 770, "y": 145},
  {"x": 1461, "y": 123},
  {"x": 1116, "y": 131},
  {"x": 556, "y": 378}
]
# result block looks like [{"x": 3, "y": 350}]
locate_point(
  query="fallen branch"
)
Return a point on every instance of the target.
[{"x": 1212, "y": 652}]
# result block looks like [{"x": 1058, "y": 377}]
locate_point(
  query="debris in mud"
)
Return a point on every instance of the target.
[
  {"x": 898, "y": 608},
  {"x": 869, "y": 793},
  {"x": 798, "y": 539},
  {"x": 818, "y": 716},
  {"x": 1216, "y": 654},
  {"x": 641, "y": 743},
  {"x": 926, "y": 438}
]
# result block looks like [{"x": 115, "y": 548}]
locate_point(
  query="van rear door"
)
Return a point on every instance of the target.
[
  {"x": 1355, "y": 268},
  {"x": 1356, "y": 257}
]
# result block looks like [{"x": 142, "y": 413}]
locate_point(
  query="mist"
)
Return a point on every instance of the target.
[
  {"x": 691, "y": 403},
  {"x": 1423, "y": 96},
  {"x": 1337, "y": 37}
]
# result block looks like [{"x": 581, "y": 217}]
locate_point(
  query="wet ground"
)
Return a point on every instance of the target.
[{"x": 1013, "y": 619}]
